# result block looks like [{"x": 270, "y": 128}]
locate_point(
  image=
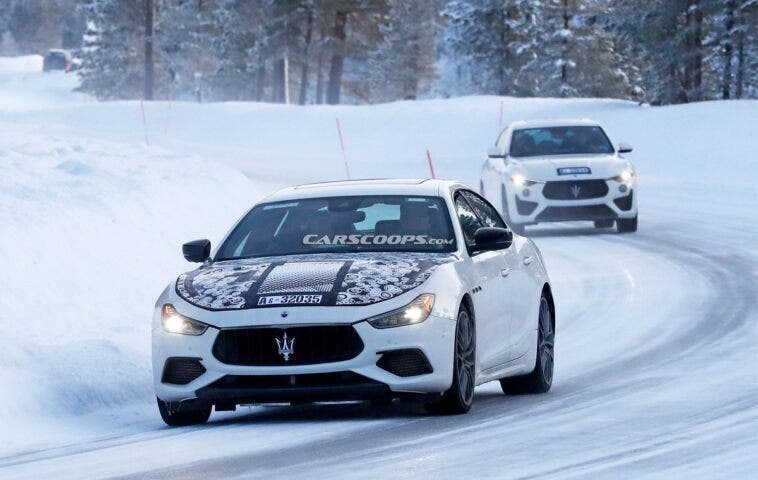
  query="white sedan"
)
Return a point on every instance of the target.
[
  {"x": 355, "y": 290},
  {"x": 560, "y": 170}
]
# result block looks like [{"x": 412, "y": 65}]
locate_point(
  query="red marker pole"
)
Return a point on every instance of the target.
[
  {"x": 144, "y": 120},
  {"x": 342, "y": 146},
  {"x": 431, "y": 164}
]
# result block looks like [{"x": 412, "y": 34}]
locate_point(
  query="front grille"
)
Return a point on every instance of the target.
[
  {"x": 575, "y": 189},
  {"x": 405, "y": 363},
  {"x": 309, "y": 345},
  {"x": 589, "y": 212},
  {"x": 624, "y": 203},
  {"x": 181, "y": 370}
]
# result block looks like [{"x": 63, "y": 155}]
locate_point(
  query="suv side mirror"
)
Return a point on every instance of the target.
[
  {"x": 492, "y": 238},
  {"x": 197, "y": 250},
  {"x": 494, "y": 152},
  {"x": 625, "y": 147}
]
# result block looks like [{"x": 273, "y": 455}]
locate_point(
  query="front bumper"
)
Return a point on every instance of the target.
[
  {"x": 529, "y": 205},
  {"x": 356, "y": 378}
]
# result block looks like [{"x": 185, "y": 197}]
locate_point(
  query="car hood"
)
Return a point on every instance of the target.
[
  {"x": 318, "y": 279},
  {"x": 546, "y": 168}
]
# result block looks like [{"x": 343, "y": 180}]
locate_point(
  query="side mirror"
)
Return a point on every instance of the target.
[
  {"x": 197, "y": 250},
  {"x": 492, "y": 238},
  {"x": 625, "y": 147},
  {"x": 494, "y": 152}
]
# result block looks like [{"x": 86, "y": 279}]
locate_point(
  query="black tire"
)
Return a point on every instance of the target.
[
  {"x": 181, "y": 414},
  {"x": 541, "y": 378},
  {"x": 626, "y": 225},
  {"x": 515, "y": 227},
  {"x": 603, "y": 223},
  {"x": 459, "y": 397}
]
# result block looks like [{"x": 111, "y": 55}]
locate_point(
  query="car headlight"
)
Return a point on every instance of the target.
[
  {"x": 174, "y": 322},
  {"x": 625, "y": 177},
  {"x": 415, "y": 312},
  {"x": 521, "y": 181}
]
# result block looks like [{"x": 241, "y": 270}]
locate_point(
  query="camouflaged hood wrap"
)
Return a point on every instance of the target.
[{"x": 322, "y": 279}]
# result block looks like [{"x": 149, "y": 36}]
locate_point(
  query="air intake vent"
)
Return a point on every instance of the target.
[
  {"x": 181, "y": 371},
  {"x": 624, "y": 203},
  {"x": 405, "y": 363}
]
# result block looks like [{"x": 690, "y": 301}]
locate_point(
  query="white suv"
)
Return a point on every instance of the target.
[{"x": 560, "y": 170}]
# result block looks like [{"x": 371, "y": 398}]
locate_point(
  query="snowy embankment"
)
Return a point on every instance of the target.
[{"x": 92, "y": 221}]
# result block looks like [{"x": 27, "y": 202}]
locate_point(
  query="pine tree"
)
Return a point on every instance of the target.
[
  {"x": 496, "y": 41},
  {"x": 112, "y": 58},
  {"x": 578, "y": 52},
  {"x": 184, "y": 31},
  {"x": 404, "y": 65},
  {"x": 240, "y": 74}
]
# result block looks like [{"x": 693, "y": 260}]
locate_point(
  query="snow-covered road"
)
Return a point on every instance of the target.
[{"x": 657, "y": 332}]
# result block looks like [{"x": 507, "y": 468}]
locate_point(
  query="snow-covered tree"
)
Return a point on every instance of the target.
[
  {"x": 404, "y": 64},
  {"x": 184, "y": 31},
  {"x": 112, "y": 64},
  {"x": 495, "y": 40},
  {"x": 578, "y": 54}
]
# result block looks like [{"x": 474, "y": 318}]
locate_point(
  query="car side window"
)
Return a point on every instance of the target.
[
  {"x": 467, "y": 218},
  {"x": 485, "y": 211}
]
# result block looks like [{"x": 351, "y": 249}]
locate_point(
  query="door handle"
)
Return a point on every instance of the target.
[
  {"x": 528, "y": 260},
  {"x": 505, "y": 272}
]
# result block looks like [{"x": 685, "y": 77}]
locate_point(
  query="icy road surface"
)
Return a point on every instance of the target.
[{"x": 657, "y": 332}]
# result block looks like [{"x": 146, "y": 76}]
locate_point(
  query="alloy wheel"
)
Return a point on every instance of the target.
[
  {"x": 547, "y": 342},
  {"x": 465, "y": 352}
]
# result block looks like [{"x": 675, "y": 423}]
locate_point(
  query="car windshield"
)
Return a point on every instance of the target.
[
  {"x": 532, "y": 142},
  {"x": 377, "y": 223}
]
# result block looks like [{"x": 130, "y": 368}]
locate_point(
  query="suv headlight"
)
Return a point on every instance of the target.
[
  {"x": 415, "y": 312},
  {"x": 521, "y": 181},
  {"x": 625, "y": 176},
  {"x": 174, "y": 322}
]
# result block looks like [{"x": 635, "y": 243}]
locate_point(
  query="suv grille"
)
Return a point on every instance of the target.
[
  {"x": 575, "y": 189},
  {"x": 258, "y": 346}
]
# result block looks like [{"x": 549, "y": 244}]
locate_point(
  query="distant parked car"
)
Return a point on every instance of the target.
[
  {"x": 560, "y": 170},
  {"x": 58, "y": 59}
]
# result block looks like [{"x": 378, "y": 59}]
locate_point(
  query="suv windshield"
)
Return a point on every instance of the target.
[
  {"x": 531, "y": 142},
  {"x": 377, "y": 223}
]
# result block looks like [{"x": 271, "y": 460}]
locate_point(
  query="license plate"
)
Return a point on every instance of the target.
[
  {"x": 574, "y": 170},
  {"x": 289, "y": 299}
]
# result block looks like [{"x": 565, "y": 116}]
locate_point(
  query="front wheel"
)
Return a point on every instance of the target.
[
  {"x": 459, "y": 397},
  {"x": 181, "y": 414},
  {"x": 541, "y": 378},
  {"x": 626, "y": 225}
]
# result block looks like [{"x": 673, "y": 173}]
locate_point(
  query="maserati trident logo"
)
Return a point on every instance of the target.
[
  {"x": 576, "y": 190},
  {"x": 285, "y": 348}
]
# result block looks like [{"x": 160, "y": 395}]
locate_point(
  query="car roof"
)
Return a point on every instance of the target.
[
  {"x": 373, "y": 186},
  {"x": 553, "y": 122}
]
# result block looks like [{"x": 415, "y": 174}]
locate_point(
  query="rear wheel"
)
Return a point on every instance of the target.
[
  {"x": 188, "y": 412},
  {"x": 626, "y": 225},
  {"x": 458, "y": 398},
  {"x": 603, "y": 223},
  {"x": 541, "y": 378}
]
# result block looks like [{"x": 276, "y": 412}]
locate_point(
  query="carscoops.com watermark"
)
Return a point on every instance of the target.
[{"x": 357, "y": 239}]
